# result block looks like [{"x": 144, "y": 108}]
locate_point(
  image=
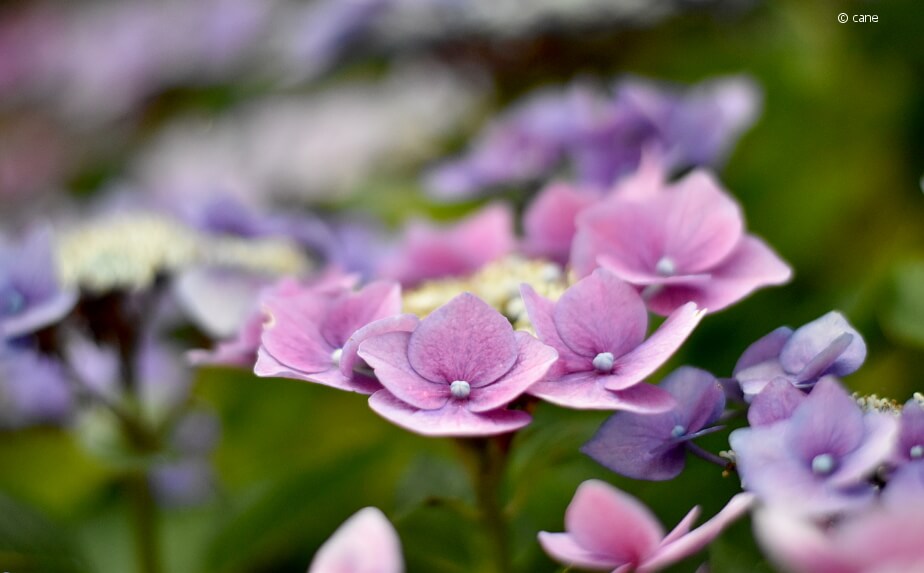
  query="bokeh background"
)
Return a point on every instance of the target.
[{"x": 337, "y": 108}]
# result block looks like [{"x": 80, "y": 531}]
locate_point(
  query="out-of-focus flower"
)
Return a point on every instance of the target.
[
  {"x": 884, "y": 539},
  {"x": 428, "y": 252},
  {"x": 816, "y": 462},
  {"x": 187, "y": 477},
  {"x": 601, "y": 135},
  {"x": 682, "y": 242},
  {"x": 653, "y": 446},
  {"x": 826, "y": 346},
  {"x": 365, "y": 543},
  {"x": 549, "y": 221},
  {"x": 33, "y": 388},
  {"x": 314, "y": 336},
  {"x": 31, "y": 296},
  {"x": 598, "y": 328},
  {"x": 456, "y": 373},
  {"x": 608, "y": 530},
  {"x": 312, "y": 148}
]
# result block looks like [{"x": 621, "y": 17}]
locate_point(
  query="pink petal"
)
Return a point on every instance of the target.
[
  {"x": 387, "y": 355},
  {"x": 700, "y": 537},
  {"x": 269, "y": 367},
  {"x": 549, "y": 221},
  {"x": 703, "y": 223},
  {"x": 465, "y": 339},
  {"x": 628, "y": 231},
  {"x": 533, "y": 361},
  {"x": 353, "y": 310},
  {"x": 585, "y": 391},
  {"x": 365, "y": 543},
  {"x": 291, "y": 334},
  {"x": 601, "y": 314},
  {"x": 453, "y": 419},
  {"x": 606, "y": 521},
  {"x": 350, "y": 359},
  {"x": 654, "y": 352},
  {"x": 562, "y": 548},
  {"x": 540, "y": 311},
  {"x": 683, "y": 527},
  {"x": 798, "y": 544}
]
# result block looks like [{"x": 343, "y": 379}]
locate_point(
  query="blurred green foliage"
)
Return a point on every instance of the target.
[{"x": 830, "y": 176}]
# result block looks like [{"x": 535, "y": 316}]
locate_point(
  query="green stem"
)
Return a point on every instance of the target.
[
  {"x": 144, "y": 515},
  {"x": 488, "y": 462}
]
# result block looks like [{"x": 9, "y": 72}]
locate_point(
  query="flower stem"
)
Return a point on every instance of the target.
[
  {"x": 488, "y": 463},
  {"x": 725, "y": 464},
  {"x": 144, "y": 516}
]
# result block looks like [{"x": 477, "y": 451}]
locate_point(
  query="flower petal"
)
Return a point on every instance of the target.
[
  {"x": 878, "y": 443},
  {"x": 562, "y": 548},
  {"x": 654, "y": 352},
  {"x": 607, "y": 521},
  {"x": 766, "y": 348},
  {"x": 700, "y": 537},
  {"x": 776, "y": 402},
  {"x": 533, "y": 361},
  {"x": 365, "y": 543},
  {"x": 353, "y": 310},
  {"x": 540, "y": 310},
  {"x": 350, "y": 359},
  {"x": 549, "y": 221},
  {"x": 290, "y": 334},
  {"x": 808, "y": 341},
  {"x": 827, "y": 422},
  {"x": 453, "y": 419},
  {"x": 387, "y": 354},
  {"x": 627, "y": 444},
  {"x": 601, "y": 314},
  {"x": 465, "y": 339}
]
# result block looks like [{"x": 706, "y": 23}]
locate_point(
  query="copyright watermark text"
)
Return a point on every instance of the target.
[{"x": 843, "y": 18}]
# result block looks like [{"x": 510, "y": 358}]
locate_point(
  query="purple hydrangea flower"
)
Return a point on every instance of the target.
[
  {"x": 910, "y": 446},
  {"x": 33, "y": 388},
  {"x": 598, "y": 328},
  {"x": 680, "y": 243},
  {"x": 653, "y": 446},
  {"x": 31, "y": 297},
  {"x": 817, "y": 461},
  {"x": 600, "y": 135},
  {"x": 776, "y": 402},
  {"x": 826, "y": 346},
  {"x": 365, "y": 543},
  {"x": 314, "y": 336},
  {"x": 608, "y": 530},
  {"x": 456, "y": 372},
  {"x": 427, "y": 252}
]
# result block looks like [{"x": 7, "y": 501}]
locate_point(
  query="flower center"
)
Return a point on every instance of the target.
[
  {"x": 916, "y": 452},
  {"x": 666, "y": 267},
  {"x": 678, "y": 431},
  {"x": 460, "y": 389},
  {"x": 823, "y": 464},
  {"x": 603, "y": 362},
  {"x": 336, "y": 355}
]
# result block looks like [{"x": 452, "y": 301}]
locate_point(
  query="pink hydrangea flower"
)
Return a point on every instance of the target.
[
  {"x": 608, "y": 530},
  {"x": 549, "y": 221},
  {"x": 314, "y": 336},
  {"x": 365, "y": 543},
  {"x": 429, "y": 252},
  {"x": 456, "y": 372},
  {"x": 679, "y": 243},
  {"x": 598, "y": 328}
]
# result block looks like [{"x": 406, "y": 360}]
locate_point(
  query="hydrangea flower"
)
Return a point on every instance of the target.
[
  {"x": 884, "y": 539},
  {"x": 817, "y": 461},
  {"x": 599, "y": 134},
  {"x": 314, "y": 336},
  {"x": 598, "y": 328},
  {"x": 31, "y": 296},
  {"x": 653, "y": 446},
  {"x": 776, "y": 402},
  {"x": 427, "y": 252},
  {"x": 455, "y": 374},
  {"x": 608, "y": 530},
  {"x": 828, "y": 345},
  {"x": 33, "y": 388},
  {"x": 365, "y": 543},
  {"x": 679, "y": 243}
]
